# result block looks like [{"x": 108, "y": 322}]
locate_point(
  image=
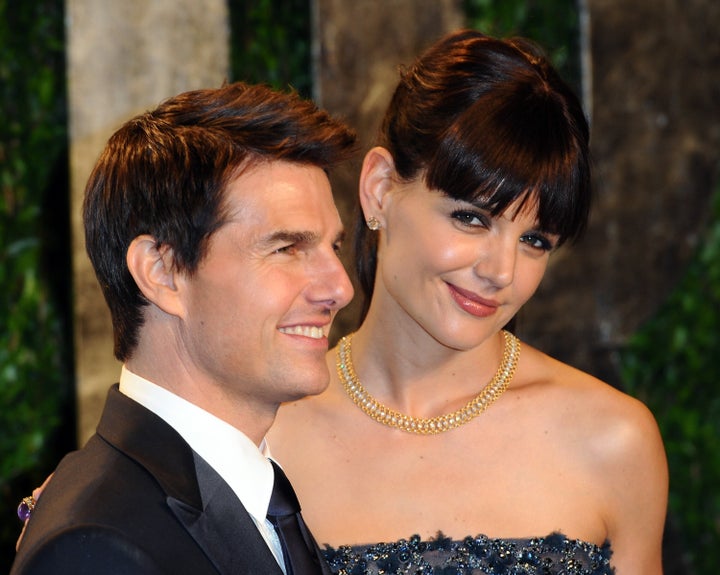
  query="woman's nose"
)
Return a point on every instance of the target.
[{"x": 496, "y": 263}]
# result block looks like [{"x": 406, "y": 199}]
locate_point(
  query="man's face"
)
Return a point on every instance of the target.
[{"x": 259, "y": 307}]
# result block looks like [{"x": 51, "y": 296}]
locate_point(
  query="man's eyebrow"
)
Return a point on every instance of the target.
[
  {"x": 290, "y": 237},
  {"x": 297, "y": 237}
]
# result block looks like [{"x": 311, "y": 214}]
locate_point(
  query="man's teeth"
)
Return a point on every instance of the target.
[{"x": 307, "y": 331}]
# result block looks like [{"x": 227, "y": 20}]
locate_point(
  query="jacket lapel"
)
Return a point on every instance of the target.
[
  {"x": 200, "y": 499},
  {"x": 223, "y": 528}
]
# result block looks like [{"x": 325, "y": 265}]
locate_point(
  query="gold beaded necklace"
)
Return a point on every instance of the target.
[{"x": 431, "y": 425}]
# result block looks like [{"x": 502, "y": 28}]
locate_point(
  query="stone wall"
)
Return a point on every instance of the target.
[
  {"x": 655, "y": 69},
  {"x": 123, "y": 58},
  {"x": 358, "y": 49}
]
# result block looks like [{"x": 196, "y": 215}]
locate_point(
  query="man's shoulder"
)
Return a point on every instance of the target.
[
  {"x": 88, "y": 549},
  {"x": 111, "y": 484},
  {"x": 102, "y": 503},
  {"x": 85, "y": 549},
  {"x": 96, "y": 485},
  {"x": 97, "y": 478}
]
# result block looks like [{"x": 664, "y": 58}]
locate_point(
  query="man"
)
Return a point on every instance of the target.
[{"x": 212, "y": 230}]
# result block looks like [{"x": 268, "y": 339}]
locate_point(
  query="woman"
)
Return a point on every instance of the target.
[{"x": 442, "y": 436}]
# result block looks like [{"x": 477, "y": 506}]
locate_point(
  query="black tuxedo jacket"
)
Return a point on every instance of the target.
[{"x": 137, "y": 500}]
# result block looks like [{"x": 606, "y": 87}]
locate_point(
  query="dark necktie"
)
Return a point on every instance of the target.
[{"x": 297, "y": 543}]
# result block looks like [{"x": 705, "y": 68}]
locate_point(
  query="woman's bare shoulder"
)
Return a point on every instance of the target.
[
  {"x": 616, "y": 429},
  {"x": 619, "y": 445},
  {"x": 576, "y": 385}
]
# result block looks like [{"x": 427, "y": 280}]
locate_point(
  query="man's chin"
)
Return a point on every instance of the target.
[{"x": 314, "y": 387}]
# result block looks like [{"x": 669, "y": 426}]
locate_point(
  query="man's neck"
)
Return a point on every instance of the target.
[{"x": 236, "y": 410}]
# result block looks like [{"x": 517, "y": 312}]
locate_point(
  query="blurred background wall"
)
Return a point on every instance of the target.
[{"x": 635, "y": 303}]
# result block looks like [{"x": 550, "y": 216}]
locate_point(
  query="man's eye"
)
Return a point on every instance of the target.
[{"x": 289, "y": 249}]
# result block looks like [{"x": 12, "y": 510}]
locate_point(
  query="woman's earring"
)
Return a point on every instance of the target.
[{"x": 373, "y": 223}]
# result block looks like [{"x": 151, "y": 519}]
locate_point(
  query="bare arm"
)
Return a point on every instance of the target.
[{"x": 638, "y": 496}]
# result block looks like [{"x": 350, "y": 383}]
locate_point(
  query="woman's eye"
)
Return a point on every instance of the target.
[
  {"x": 537, "y": 242},
  {"x": 470, "y": 219}
]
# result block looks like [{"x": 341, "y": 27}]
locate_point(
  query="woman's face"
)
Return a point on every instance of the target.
[{"x": 452, "y": 268}]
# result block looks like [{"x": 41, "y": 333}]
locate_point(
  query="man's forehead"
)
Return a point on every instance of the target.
[
  {"x": 276, "y": 200},
  {"x": 285, "y": 214},
  {"x": 279, "y": 181}
]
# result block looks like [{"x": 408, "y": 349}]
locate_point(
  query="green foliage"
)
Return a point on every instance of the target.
[
  {"x": 31, "y": 138},
  {"x": 271, "y": 43},
  {"x": 672, "y": 365},
  {"x": 34, "y": 380}
]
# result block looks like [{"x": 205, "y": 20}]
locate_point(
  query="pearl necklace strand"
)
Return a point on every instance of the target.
[{"x": 431, "y": 425}]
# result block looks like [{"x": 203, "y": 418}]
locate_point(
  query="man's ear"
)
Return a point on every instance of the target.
[
  {"x": 376, "y": 179},
  {"x": 153, "y": 269}
]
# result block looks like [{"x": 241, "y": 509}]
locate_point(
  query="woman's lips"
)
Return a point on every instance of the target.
[{"x": 472, "y": 303}]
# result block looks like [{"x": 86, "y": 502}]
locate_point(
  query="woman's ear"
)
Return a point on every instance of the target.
[
  {"x": 376, "y": 179},
  {"x": 154, "y": 272}
]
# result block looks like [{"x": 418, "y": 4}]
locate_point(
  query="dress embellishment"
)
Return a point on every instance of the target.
[{"x": 551, "y": 555}]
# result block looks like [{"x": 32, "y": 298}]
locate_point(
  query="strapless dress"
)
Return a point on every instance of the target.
[{"x": 481, "y": 555}]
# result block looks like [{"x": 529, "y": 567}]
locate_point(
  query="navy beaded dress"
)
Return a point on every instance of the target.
[{"x": 551, "y": 555}]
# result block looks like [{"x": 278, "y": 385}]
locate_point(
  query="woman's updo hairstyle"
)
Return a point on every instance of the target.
[{"x": 482, "y": 118}]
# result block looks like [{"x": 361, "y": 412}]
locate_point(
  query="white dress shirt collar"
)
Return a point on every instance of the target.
[{"x": 230, "y": 452}]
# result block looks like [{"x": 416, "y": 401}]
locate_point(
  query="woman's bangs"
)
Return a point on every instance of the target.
[{"x": 497, "y": 164}]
